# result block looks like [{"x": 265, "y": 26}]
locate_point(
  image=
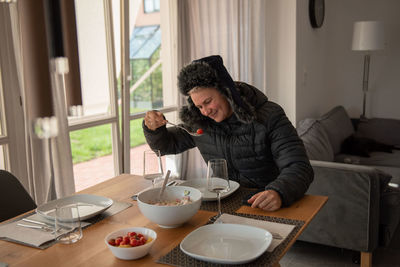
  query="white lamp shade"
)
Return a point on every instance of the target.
[{"x": 368, "y": 36}]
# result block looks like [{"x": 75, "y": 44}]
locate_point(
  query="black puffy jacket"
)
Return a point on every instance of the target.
[{"x": 259, "y": 143}]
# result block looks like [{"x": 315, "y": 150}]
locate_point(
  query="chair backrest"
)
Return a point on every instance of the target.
[{"x": 14, "y": 199}]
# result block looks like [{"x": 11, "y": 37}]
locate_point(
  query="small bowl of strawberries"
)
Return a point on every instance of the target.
[{"x": 131, "y": 243}]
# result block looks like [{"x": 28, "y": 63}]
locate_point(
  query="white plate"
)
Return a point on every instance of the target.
[
  {"x": 201, "y": 184},
  {"x": 88, "y": 205},
  {"x": 226, "y": 243}
]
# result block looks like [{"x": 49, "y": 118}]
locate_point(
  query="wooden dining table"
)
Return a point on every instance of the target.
[{"x": 91, "y": 250}]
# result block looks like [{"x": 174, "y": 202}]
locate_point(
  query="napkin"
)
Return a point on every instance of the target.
[
  {"x": 278, "y": 228},
  {"x": 29, "y": 236}
]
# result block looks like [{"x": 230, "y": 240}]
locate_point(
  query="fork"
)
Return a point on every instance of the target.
[
  {"x": 40, "y": 227},
  {"x": 183, "y": 128},
  {"x": 46, "y": 227},
  {"x": 37, "y": 222}
]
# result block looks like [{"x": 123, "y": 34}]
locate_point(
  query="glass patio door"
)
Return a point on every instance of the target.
[
  {"x": 95, "y": 131},
  {"x": 148, "y": 75},
  {"x": 125, "y": 71}
]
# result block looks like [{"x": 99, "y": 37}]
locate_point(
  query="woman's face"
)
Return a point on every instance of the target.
[{"x": 211, "y": 103}]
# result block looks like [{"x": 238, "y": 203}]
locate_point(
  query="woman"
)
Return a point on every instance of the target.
[{"x": 260, "y": 145}]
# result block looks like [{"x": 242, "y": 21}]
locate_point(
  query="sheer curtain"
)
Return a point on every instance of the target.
[
  {"x": 44, "y": 73},
  {"x": 234, "y": 29}
]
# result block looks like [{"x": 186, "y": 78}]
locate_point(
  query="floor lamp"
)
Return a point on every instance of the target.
[{"x": 367, "y": 36}]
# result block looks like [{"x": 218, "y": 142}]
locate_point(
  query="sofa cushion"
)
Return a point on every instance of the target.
[
  {"x": 315, "y": 140},
  {"x": 362, "y": 146},
  {"x": 382, "y": 130},
  {"x": 338, "y": 126}
]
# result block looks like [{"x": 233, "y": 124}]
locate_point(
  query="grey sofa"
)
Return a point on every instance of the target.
[{"x": 363, "y": 209}]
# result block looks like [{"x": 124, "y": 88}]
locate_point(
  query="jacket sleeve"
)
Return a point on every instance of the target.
[
  {"x": 295, "y": 171},
  {"x": 168, "y": 140}
]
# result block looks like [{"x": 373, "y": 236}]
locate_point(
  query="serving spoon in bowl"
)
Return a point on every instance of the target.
[
  {"x": 198, "y": 133},
  {"x": 164, "y": 185}
]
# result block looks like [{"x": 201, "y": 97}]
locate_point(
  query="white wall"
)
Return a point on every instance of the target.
[
  {"x": 281, "y": 54},
  {"x": 329, "y": 73},
  {"x": 311, "y": 56}
]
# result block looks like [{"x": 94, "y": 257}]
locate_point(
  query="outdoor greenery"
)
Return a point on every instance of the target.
[
  {"x": 93, "y": 142},
  {"x": 150, "y": 91}
]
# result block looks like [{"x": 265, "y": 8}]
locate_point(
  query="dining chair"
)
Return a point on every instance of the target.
[{"x": 14, "y": 199}]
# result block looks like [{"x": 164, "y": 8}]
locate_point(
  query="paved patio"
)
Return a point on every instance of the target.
[{"x": 95, "y": 171}]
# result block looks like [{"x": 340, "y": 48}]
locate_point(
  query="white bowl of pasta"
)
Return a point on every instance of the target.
[{"x": 177, "y": 205}]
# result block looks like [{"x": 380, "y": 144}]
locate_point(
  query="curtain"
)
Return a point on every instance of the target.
[
  {"x": 11, "y": 87},
  {"x": 234, "y": 29},
  {"x": 44, "y": 77},
  {"x": 73, "y": 94}
]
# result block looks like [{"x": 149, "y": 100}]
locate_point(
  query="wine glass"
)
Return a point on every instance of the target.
[
  {"x": 152, "y": 167},
  {"x": 217, "y": 179}
]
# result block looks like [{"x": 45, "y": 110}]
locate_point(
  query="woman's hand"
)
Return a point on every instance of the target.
[
  {"x": 268, "y": 200},
  {"x": 154, "y": 119}
]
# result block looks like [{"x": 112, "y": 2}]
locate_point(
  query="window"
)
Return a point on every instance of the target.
[
  {"x": 96, "y": 80},
  {"x": 145, "y": 64},
  {"x": 148, "y": 88},
  {"x": 92, "y": 155},
  {"x": 94, "y": 136},
  {"x": 101, "y": 83},
  {"x": 151, "y": 6},
  {"x": 103, "y": 102}
]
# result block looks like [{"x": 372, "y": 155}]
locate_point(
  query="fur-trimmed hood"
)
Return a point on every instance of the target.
[{"x": 211, "y": 72}]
